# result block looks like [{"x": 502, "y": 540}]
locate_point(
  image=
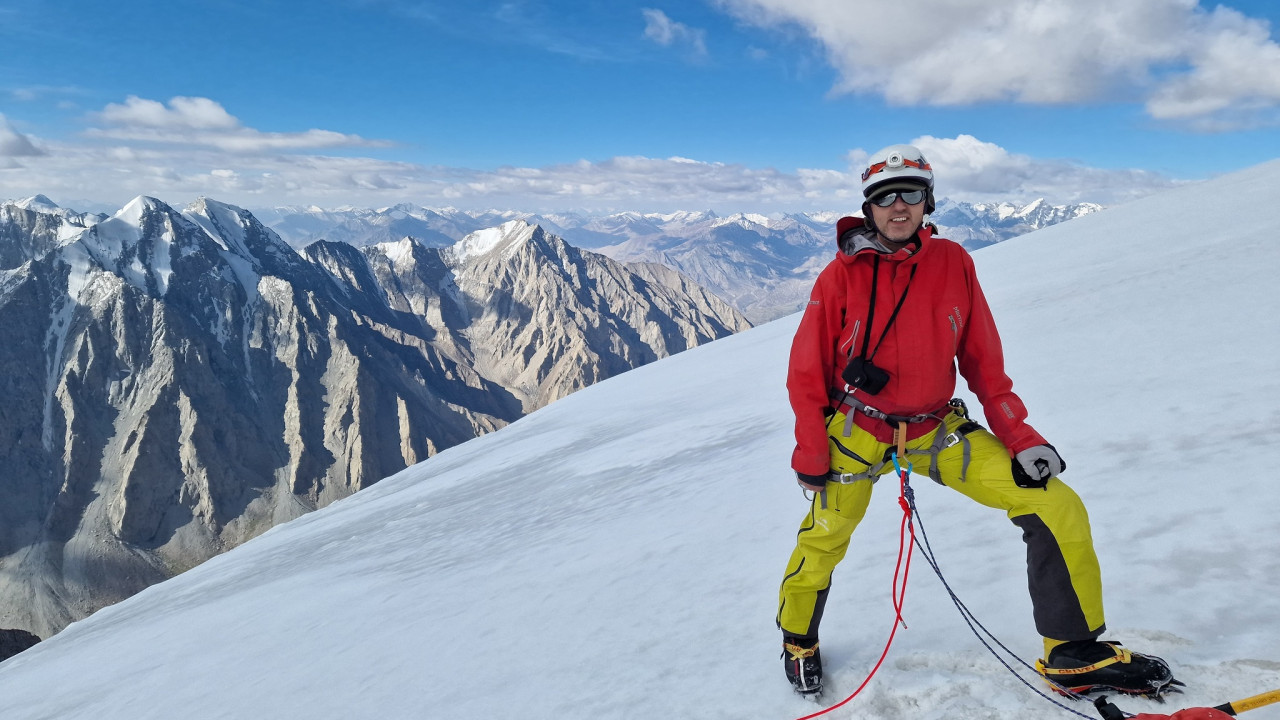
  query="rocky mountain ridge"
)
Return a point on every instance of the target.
[{"x": 180, "y": 381}]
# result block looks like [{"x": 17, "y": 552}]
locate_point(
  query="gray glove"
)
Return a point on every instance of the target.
[{"x": 1033, "y": 467}]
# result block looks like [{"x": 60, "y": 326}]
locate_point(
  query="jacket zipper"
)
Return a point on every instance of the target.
[{"x": 852, "y": 337}]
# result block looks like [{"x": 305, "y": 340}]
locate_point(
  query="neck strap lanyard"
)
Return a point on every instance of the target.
[{"x": 871, "y": 309}]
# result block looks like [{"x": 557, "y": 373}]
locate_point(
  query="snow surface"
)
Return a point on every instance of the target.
[{"x": 617, "y": 554}]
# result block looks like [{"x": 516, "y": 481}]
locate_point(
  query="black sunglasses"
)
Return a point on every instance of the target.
[{"x": 910, "y": 197}]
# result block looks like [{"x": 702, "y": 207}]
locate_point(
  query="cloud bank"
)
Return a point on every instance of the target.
[
  {"x": 192, "y": 146},
  {"x": 1213, "y": 70}
]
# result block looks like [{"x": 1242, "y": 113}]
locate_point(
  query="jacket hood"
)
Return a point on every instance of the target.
[{"x": 854, "y": 236}]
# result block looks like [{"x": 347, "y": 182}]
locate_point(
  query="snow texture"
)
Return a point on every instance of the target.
[{"x": 617, "y": 553}]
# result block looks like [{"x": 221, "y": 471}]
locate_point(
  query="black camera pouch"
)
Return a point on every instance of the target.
[{"x": 863, "y": 374}]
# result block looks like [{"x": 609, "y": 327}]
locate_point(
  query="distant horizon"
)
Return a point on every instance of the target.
[{"x": 87, "y": 206}]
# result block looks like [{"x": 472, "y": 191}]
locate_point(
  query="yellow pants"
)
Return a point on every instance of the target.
[{"x": 1062, "y": 569}]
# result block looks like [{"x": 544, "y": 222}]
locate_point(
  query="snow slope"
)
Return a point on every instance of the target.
[{"x": 617, "y": 554}]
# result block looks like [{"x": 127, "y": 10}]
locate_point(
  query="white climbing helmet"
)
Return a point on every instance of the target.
[{"x": 896, "y": 163}]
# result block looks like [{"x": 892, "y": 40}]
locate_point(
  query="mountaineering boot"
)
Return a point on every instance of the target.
[
  {"x": 1086, "y": 666},
  {"x": 803, "y": 664}
]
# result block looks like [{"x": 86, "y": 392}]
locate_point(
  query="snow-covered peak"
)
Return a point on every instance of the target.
[
  {"x": 399, "y": 252},
  {"x": 1033, "y": 207},
  {"x": 749, "y": 221},
  {"x": 237, "y": 230},
  {"x": 685, "y": 217},
  {"x": 222, "y": 222},
  {"x": 133, "y": 212},
  {"x": 113, "y": 236},
  {"x": 824, "y": 217},
  {"x": 135, "y": 243},
  {"x": 72, "y": 222},
  {"x": 38, "y": 203},
  {"x": 483, "y": 242}
]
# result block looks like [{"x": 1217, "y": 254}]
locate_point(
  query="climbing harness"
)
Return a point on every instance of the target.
[{"x": 942, "y": 440}]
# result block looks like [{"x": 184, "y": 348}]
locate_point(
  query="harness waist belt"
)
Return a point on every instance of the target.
[{"x": 849, "y": 404}]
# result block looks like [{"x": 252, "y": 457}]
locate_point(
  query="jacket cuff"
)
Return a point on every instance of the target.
[{"x": 815, "y": 480}]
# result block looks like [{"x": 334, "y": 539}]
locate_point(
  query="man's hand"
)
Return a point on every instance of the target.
[
  {"x": 813, "y": 483},
  {"x": 1033, "y": 467}
]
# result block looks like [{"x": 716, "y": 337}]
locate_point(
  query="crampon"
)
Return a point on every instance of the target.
[{"x": 1090, "y": 668}]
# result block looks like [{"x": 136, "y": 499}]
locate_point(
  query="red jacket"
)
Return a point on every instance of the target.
[{"x": 944, "y": 323}]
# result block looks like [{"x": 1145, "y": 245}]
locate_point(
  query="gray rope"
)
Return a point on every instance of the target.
[{"x": 974, "y": 624}]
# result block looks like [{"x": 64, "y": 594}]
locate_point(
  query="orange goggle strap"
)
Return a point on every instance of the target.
[{"x": 882, "y": 165}]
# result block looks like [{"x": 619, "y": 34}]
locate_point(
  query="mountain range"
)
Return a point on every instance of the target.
[
  {"x": 763, "y": 264},
  {"x": 177, "y": 382}
]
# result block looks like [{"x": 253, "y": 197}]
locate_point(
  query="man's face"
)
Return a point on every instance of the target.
[{"x": 898, "y": 222}]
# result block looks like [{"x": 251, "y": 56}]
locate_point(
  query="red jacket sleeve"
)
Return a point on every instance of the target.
[
  {"x": 981, "y": 361},
  {"x": 808, "y": 371}
]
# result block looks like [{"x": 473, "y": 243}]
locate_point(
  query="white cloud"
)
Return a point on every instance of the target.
[
  {"x": 1187, "y": 62},
  {"x": 182, "y": 113},
  {"x": 667, "y": 32},
  {"x": 15, "y": 144},
  {"x": 201, "y": 122},
  {"x": 1235, "y": 72},
  {"x": 967, "y": 169}
]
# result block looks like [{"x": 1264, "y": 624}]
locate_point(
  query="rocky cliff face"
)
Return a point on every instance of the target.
[
  {"x": 572, "y": 317},
  {"x": 178, "y": 382}
]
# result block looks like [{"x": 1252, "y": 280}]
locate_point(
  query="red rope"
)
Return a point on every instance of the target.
[{"x": 906, "y": 544}]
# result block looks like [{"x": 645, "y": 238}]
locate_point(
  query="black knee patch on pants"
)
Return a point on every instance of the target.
[{"x": 1056, "y": 606}]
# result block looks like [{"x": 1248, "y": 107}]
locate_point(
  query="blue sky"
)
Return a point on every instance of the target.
[{"x": 758, "y": 105}]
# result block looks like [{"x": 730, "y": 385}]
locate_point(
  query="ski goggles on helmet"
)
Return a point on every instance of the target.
[
  {"x": 910, "y": 197},
  {"x": 893, "y": 162}
]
